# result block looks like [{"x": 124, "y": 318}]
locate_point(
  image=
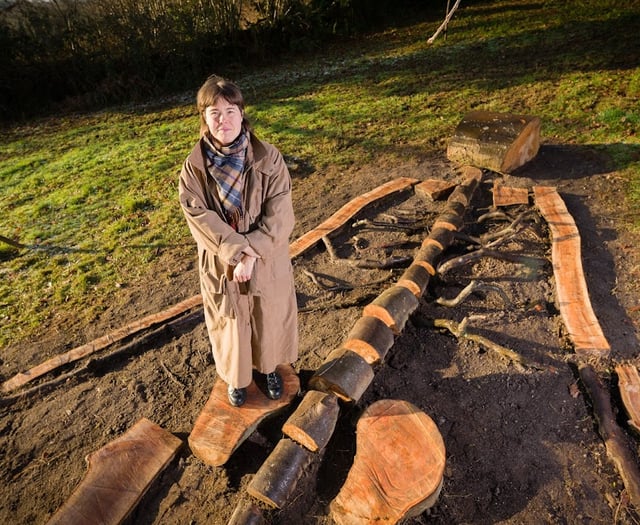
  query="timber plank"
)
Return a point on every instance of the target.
[
  {"x": 434, "y": 189},
  {"x": 398, "y": 467},
  {"x": 508, "y": 195},
  {"x": 571, "y": 287},
  {"x": 118, "y": 475},
  {"x": 221, "y": 428},
  {"x": 345, "y": 213},
  {"x": 629, "y": 386}
]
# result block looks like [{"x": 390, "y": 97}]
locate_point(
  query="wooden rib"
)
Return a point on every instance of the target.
[
  {"x": 118, "y": 475},
  {"x": 345, "y": 213},
  {"x": 571, "y": 287},
  {"x": 629, "y": 387},
  {"x": 98, "y": 344}
]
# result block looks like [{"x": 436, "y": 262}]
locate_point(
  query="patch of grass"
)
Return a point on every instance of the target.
[{"x": 95, "y": 196}]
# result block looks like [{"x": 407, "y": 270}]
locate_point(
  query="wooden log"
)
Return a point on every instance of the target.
[
  {"x": 434, "y": 189},
  {"x": 501, "y": 142},
  {"x": 398, "y": 467},
  {"x": 393, "y": 307},
  {"x": 98, "y": 344},
  {"x": 118, "y": 476},
  {"x": 313, "y": 422},
  {"x": 571, "y": 287},
  {"x": 617, "y": 446},
  {"x": 247, "y": 513},
  {"x": 347, "y": 376},
  {"x": 370, "y": 338},
  {"x": 416, "y": 279},
  {"x": 345, "y": 213},
  {"x": 629, "y": 387},
  {"x": 441, "y": 236},
  {"x": 220, "y": 428},
  {"x": 508, "y": 195},
  {"x": 428, "y": 253},
  {"x": 278, "y": 476},
  {"x": 449, "y": 220}
]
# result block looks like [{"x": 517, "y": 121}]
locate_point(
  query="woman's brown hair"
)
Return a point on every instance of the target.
[{"x": 209, "y": 93}]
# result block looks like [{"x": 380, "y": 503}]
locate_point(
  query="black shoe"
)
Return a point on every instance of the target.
[
  {"x": 274, "y": 385},
  {"x": 237, "y": 396}
]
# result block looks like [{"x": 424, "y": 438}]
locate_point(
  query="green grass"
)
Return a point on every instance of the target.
[{"x": 94, "y": 196}]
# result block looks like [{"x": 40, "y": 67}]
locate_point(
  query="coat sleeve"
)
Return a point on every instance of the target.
[
  {"x": 206, "y": 226},
  {"x": 277, "y": 220}
]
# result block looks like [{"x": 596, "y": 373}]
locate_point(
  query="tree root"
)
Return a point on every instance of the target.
[
  {"x": 487, "y": 252},
  {"x": 472, "y": 287},
  {"x": 460, "y": 331}
]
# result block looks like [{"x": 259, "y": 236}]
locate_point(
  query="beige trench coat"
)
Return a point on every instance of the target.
[{"x": 250, "y": 325}]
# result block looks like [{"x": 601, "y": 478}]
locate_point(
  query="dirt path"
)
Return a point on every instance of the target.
[{"x": 522, "y": 445}]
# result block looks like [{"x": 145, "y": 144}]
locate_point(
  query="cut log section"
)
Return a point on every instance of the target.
[
  {"x": 118, "y": 476},
  {"x": 370, "y": 338},
  {"x": 313, "y": 422},
  {"x": 398, "y": 467},
  {"x": 346, "y": 376},
  {"x": 221, "y": 428},
  {"x": 278, "y": 476},
  {"x": 345, "y": 213},
  {"x": 393, "y": 307},
  {"x": 629, "y": 387},
  {"x": 434, "y": 189},
  {"x": 247, "y": 513},
  {"x": 571, "y": 287},
  {"x": 508, "y": 195},
  {"x": 500, "y": 142},
  {"x": 416, "y": 278},
  {"x": 618, "y": 448}
]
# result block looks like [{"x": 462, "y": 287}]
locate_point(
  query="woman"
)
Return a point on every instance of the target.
[{"x": 235, "y": 191}]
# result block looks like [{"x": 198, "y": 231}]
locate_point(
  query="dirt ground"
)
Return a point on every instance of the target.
[{"x": 522, "y": 442}]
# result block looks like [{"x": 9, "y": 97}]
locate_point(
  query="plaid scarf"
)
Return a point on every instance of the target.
[{"x": 227, "y": 169}]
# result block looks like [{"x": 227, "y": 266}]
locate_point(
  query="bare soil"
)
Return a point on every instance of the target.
[{"x": 522, "y": 441}]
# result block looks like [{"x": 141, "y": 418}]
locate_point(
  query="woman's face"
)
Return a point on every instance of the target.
[{"x": 224, "y": 121}]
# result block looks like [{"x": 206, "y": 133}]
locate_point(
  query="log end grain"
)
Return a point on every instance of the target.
[
  {"x": 370, "y": 338},
  {"x": 398, "y": 468}
]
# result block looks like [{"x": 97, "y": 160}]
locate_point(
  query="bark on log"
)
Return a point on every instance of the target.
[
  {"x": 415, "y": 279},
  {"x": 393, "y": 307},
  {"x": 508, "y": 195},
  {"x": 370, "y": 338},
  {"x": 278, "y": 476},
  {"x": 398, "y": 468},
  {"x": 500, "y": 142},
  {"x": 442, "y": 236},
  {"x": 338, "y": 219},
  {"x": 220, "y": 428},
  {"x": 629, "y": 387},
  {"x": 617, "y": 446},
  {"x": 98, "y": 344},
  {"x": 313, "y": 422},
  {"x": 247, "y": 513},
  {"x": 571, "y": 286},
  {"x": 347, "y": 376},
  {"x": 118, "y": 475}
]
